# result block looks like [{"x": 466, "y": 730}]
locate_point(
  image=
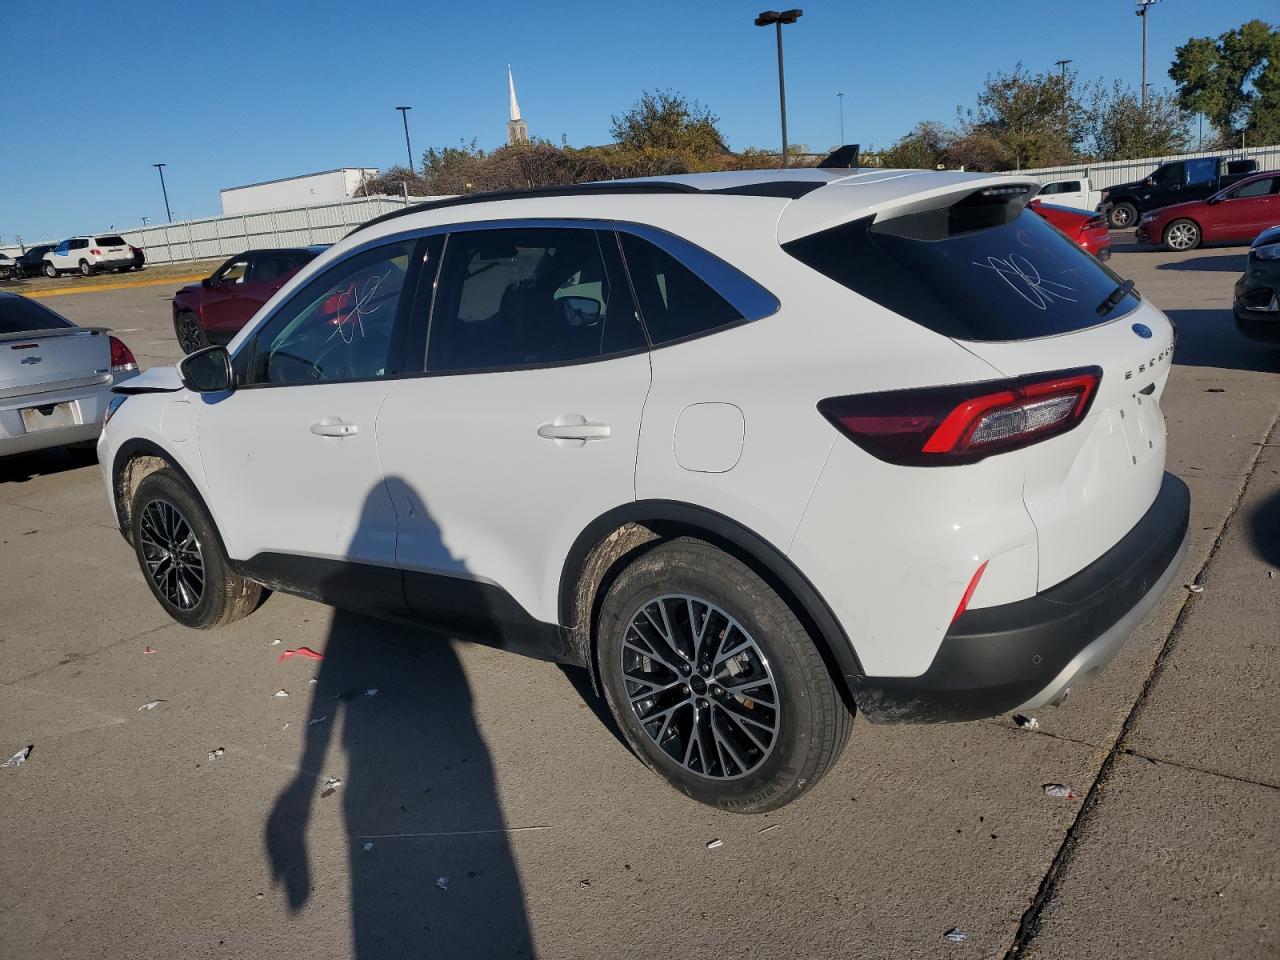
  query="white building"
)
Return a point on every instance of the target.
[{"x": 330, "y": 186}]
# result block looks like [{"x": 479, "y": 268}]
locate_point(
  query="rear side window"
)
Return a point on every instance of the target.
[
  {"x": 21, "y": 316},
  {"x": 1259, "y": 188},
  {"x": 269, "y": 266},
  {"x": 1202, "y": 170},
  {"x": 674, "y": 302},
  {"x": 79, "y": 244},
  {"x": 957, "y": 273},
  {"x": 528, "y": 297},
  {"x": 110, "y": 241}
]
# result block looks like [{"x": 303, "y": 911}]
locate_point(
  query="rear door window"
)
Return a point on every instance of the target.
[
  {"x": 272, "y": 264},
  {"x": 1259, "y": 188},
  {"x": 971, "y": 271}
]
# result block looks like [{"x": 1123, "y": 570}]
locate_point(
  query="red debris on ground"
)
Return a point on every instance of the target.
[{"x": 300, "y": 652}]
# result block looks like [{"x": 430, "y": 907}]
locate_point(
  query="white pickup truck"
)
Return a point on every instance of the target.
[{"x": 1074, "y": 192}]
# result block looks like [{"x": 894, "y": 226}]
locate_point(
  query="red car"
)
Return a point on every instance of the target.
[
  {"x": 1234, "y": 215},
  {"x": 214, "y": 310},
  {"x": 1088, "y": 230}
]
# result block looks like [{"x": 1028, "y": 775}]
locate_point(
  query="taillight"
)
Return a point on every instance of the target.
[
  {"x": 945, "y": 426},
  {"x": 122, "y": 360},
  {"x": 1094, "y": 223},
  {"x": 96, "y": 252}
]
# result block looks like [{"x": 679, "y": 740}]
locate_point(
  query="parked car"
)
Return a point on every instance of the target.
[
  {"x": 1076, "y": 192},
  {"x": 8, "y": 267},
  {"x": 1236, "y": 215},
  {"x": 31, "y": 263},
  {"x": 1088, "y": 230},
  {"x": 741, "y": 444},
  {"x": 1257, "y": 305},
  {"x": 55, "y": 378},
  {"x": 1173, "y": 182},
  {"x": 89, "y": 255},
  {"x": 214, "y": 310}
]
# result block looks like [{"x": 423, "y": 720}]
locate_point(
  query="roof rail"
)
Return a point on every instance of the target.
[{"x": 572, "y": 190}]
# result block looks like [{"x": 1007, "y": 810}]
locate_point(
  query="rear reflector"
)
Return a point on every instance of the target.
[
  {"x": 122, "y": 359},
  {"x": 968, "y": 592},
  {"x": 945, "y": 426}
]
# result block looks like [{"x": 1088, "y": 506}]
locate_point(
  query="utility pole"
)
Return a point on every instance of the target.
[
  {"x": 404, "y": 115},
  {"x": 1143, "y": 7},
  {"x": 1062, "y": 73},
  {"x": 775, "y": 19},
  {"x": 841, "y": 98},
  {"x": 164, "y": 190}
]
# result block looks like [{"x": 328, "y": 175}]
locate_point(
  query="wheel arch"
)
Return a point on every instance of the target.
[
  {"x": 608, "y": 542},
  {"x": 1168, "y": 226},
  {"x": 134, "y": 461}
]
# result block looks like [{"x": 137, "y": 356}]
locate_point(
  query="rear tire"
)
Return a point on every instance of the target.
[
  {"x": 1122, "y": 216},
  {"x": 50, "y": 271},
  {"x": 191, "y": 336},
  {"x": 1182, "y": 235},
  {"x": 86, "y": 268},
  {"x": 746, "y": 731},
  {"x": 181, "y": 557}
]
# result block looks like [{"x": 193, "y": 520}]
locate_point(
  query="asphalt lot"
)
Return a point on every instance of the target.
[{"x": 122, "y": 838}]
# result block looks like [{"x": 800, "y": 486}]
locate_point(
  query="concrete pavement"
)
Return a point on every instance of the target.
[{"x": 122, "y": 838}]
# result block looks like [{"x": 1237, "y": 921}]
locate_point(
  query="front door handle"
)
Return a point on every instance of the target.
[
  {"x": 574, "y": 426},
  {"x": 334, "y": 427}
]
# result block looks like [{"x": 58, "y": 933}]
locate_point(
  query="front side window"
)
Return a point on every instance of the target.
[
  {"x": 340, "y": 326},
  {"x": 232, "y": 271},
  {"x": 527, "y": 297},
  {"x": 674, "y": 301},
  {"x": 1259, "y": 188}
]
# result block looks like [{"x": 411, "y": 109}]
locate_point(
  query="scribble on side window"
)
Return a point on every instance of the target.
[{"x": 357, "y": 305}]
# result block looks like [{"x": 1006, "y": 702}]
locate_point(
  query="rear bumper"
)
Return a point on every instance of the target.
[
  {"x": 1029, "y": 653},
  {"x": 88, "y": 406}
]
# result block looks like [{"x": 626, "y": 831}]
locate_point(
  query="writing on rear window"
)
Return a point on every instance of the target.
[{"x": 1024, "y": 279}]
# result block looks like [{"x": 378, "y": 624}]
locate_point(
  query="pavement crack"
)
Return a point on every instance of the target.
[
  {"x": 110, "y": 646},
  {"x": 1164, "y": 761},
  {"x": 1033, "y": 916}
]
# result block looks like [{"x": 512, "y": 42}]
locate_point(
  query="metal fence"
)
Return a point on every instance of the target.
[
  {"x": 1109, "y": 174},
  {"x": 213, "y": 238}
]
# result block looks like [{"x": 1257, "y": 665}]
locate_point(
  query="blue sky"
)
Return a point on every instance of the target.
[{"x": 230, "y": 93}]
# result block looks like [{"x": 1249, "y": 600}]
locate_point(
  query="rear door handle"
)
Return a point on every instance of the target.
[
  {"x": 574, "y": 426},
  {"x": 334, "y": 427}
]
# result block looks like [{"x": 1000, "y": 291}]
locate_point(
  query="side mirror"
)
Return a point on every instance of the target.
[
  {"x": 208, "y": 371},
  {"x": 1212, "y": 200},
  {"x": 207, "y": 282},
  {"x": 582, "y": 311},
  {"x": 1148, "y": 182}
]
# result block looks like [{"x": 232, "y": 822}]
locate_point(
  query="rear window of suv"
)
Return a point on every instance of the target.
[
  {"x": 973, "y": 271},
  {"x": 111, "y": 241}
]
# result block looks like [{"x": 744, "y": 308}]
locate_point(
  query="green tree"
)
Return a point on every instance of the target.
[
  {"x": 1025, "y": 119},
  {"x": 1234, "y": 80},
  {"x": 1122, "y": 130},
  {"x": 668, "y": 122},
  {"x": 924, "y": 148}
]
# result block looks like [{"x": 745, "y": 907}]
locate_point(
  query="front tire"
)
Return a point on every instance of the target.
[
  {"x": 191, "y": 336},
  {"x": 715, "y": 682},
  {"x": 181, "y": 556},
  {"x": 1182, "y": 235},
  {"x": 1122, "y": 216}
]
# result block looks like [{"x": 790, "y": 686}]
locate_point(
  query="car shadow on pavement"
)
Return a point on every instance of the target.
[
  {"x": 1209, "y": 338},
  {"x": 1264, "y": 533},
  {"x": 431, "y": 870},
  {"x": 22, "y": 467},
  {"x": 1229, "y": 264}
]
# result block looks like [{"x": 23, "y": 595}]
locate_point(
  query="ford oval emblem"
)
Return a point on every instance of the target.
[{"x": 1142, "y": 330}]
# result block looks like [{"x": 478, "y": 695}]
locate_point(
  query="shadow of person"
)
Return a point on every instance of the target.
[{"x": 431, "y": 869}]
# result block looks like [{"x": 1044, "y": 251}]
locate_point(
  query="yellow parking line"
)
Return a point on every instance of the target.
[{"x": 175, "y": 281}]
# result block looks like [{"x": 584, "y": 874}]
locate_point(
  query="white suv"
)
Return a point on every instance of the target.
[
  {"x": 88, "y": 255},
  {"x": 753, "y": 448}
]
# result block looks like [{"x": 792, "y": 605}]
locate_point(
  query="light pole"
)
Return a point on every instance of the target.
[
  {"x": 1143, "y": 7},
  {"x": 776, "y": 19},
  {"x": 1062, "y": 73},
  {"x": 160, "y": 167},
  {"x": 404, "y": 115},
  {"x": 144, "y": 220},
  {"x": 840, "y": 97}
]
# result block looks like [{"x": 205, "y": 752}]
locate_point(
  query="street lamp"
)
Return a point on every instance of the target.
[
  {"x": 404, "y": 115},
  {"x": 160, "y": 167},
  {"x": 775, "y": 19},
  {"x": 1143, "y": 7},
  {"x": 840, "y": 97}
]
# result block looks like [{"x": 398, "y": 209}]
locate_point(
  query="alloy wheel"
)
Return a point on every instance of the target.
[
  {"x": 188, "y": 334},
  {"x": 1182, "y": 236},
  {"x": 172, "y": 554},
  {"x": 700, "y": 686}
]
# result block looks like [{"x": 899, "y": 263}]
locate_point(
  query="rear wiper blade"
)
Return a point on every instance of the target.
[{"x": 1116, "y": 295}]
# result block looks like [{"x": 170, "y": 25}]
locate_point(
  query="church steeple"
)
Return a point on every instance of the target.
[{"x": 517, "y": 129}]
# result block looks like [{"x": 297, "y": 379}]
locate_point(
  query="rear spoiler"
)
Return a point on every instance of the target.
[
  {"x": 841, "y": 158},
  {"x": 53, "y": 332}
]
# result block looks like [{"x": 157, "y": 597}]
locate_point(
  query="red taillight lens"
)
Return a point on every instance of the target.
[
  {"x": 942, "y": 426},
  {"x": 122, "y": 359},
  {"x": 96, "y": 252},
  {"x": 1095, "y": 223}
]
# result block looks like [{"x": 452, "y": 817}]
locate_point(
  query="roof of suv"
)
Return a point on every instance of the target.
[{"x": 812, "y": 198}]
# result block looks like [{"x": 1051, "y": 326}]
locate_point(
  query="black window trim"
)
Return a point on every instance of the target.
[{"x": 764, "y": 305}]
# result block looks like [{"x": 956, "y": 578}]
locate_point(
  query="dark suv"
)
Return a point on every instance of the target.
[{"x": 214, "y": 310}]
